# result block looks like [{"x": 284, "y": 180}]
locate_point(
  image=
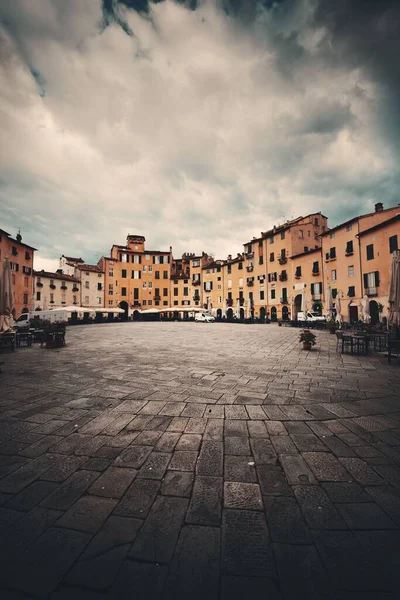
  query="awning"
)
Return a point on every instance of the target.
[
  {"x": 79, "y": 309},
  {"x": 107, "y": 310}
]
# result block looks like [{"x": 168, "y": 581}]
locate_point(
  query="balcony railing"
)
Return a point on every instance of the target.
[
  {"x": 282, "y": 260},
  {"x": 157, "y": 297},
  {"x": 52, "y": 286},
  {"x": 284, "y": 300},
  {"x": 39, "y": 284},
  {"x": 63, "y": 287},
  {"x": 229, "y": 302},
  {"x": 249, "y": 254},
  {"x": 297, "y": 276},
  {"x": 371, "y": 291},
  {"x": 196, "y": 282},
  {"x": 316, "y": 296},
  {"x": 75, "y": 289},
  {"x": 250, "y": 268},
  {"x": 282, "y": 277},
  {"x": 315, "y": 272},
  {"x": 250, "y": 282}
]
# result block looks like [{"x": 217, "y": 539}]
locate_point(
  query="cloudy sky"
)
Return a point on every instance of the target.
[{"x": 196, "y": 123}]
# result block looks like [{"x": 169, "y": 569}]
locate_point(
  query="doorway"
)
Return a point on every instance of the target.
[
  {"x": 274, "y": 315},
  {"x": 124, "y": 306},
  {"x": 374, "y": 312},
  {"x": 262, "y": 314},
  {"x": 353, "y": 313},
  {"x": 297, "y": 305},
  {"x": 285, "y": 313}
]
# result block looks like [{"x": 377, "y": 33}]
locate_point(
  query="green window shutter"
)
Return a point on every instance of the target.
[
  {"x": 376, "y": 278},
  {"x": 312, "y": 289},
  {"x": 365, "y": 280}
]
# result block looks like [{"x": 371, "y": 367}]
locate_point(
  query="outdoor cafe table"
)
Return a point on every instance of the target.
[{"x": 358, "y": 341}]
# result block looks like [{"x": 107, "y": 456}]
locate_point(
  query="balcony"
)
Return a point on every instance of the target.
[
  {"x": 349, "y": 253},
  {"x": 249, "y": 254},
  {"x": 52, "y": 286},
  {"x": 51, "y": 302},
  {"x": 196, "y": 298},
  {"x": 196, "y": 282},
  {"x": 371, "y": 291},
  {"x": 241, "y": 301},
  {"x": 39, "y": 284},
  {"x": 316, "y": 296},
  {"x": 63, "y": 287},
  {"x": 315, "y": 272},
  {"x": 229, "y": 302},
  {"x": 284, "y": 300},
  {"x": 297, "y": 276},
  {"x": 157, "y": 297},
  {"x": 250, "y": 268},
  {"x": 75, "y": 289},
  {"x": 74, "y": 303},
  {"x": 282, "y": 277},
  {"x": 282, "y": 260},
  {"x": 250, "y": 282}
]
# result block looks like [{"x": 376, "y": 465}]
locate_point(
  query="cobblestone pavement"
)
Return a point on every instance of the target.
[{"x": 190, "y": 460}]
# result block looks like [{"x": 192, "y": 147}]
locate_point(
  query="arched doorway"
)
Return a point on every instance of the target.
[
  {"x": 242, "y": 314},
  {"x": 219, "y": 313},
  {"x": 353, "y": 312},
  {"x": 262, "y": 314},
  {"x": 297, "y": 305},
  {"x": 229, "y": 314},
  {"x": 136, "y": 315},
  {"x": 274, "y": 315},
  {"x": 25, "y": 310},
  {"x": 374, "y": 312},
  {"x": 285, "y": 313},
  {"x": 124, "y": 306}
]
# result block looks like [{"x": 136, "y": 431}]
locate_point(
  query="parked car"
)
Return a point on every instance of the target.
[
  {"x": 310, "y": 316},
  {"x": 204, "y": 317}
]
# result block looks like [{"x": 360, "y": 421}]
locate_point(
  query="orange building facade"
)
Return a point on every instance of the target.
[{"x": 21, "y": 260}]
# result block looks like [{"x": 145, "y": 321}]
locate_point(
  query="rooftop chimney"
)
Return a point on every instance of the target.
[
  {"x": 18, "y": 237},
  {"x": 378, "y": 207}
]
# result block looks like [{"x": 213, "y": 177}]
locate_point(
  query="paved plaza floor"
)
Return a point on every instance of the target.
[{"x": 198, "y": 461}]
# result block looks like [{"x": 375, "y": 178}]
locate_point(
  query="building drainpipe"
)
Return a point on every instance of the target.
[{"x": 359, "y": 256}]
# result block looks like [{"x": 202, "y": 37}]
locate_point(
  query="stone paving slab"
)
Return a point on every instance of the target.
[{"x": 225, "y": 463}]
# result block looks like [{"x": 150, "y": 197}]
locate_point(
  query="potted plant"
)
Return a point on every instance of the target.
[
  {"x": 332, "y": 326},
  {"x": 308, "y": 338}
]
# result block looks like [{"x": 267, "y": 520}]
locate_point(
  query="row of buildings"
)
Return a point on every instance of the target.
[{"x": 268, "y": 277}]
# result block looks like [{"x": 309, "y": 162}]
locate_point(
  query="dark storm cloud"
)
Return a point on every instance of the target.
[{"x": 199, "y": 123}]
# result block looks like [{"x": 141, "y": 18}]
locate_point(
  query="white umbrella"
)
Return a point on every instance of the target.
[
  {"x": 6, "y": 297},
  {"x": 338, "y": 309},
  {"x": 208, "y": 304},
  {"x": 248, "y": 309},
  {"x": 328, "y": 302},
  {"x": 304, "y": 303},
  {"x": 79, "y": 309},
  {"x": 150, "y": 311},
  {"x": 365, "y": 309},
  {"x": 238, "y": 309},
  {"x": 394, "y": 290},
  {"x": 224, "y": 309}
]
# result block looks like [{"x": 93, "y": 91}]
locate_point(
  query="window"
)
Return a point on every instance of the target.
[
  {"x": 110, "y": 302},
  {"x": 150, "y": 268},
  {"x": 305, "y": 248},
  {"x": 393, "y": 244},
  {"x": 332, "y": 235},
  {"x": 26, "y": 270},
  {"x": 38, "y": 280},
  {"x": 349, "y": 247},
  {"x": 316, "y": 222},
  {"x": 144, "y": 302},
  {"x": 282, "y": 235},
  {"x": 86, "y": 299},
  {"x": 272, "y": 294},
  {"x": 309, "y": 233},
  {"x": 284, "y": 294},
  {"x": 165, "y": 291},
  {"x": 157, "y": 292},
  {"x": 240, "y": 266},
  {"x": 370, "y": 251},
  {"x": 229, "y": 284},
  {"x": 144, "y": 284},
  {"x": 301, "y": 234},
  {"x": 333, "y": 274},
  {"x": 165, "y": 302},
  {"x": 186, "y": 281},
  {"x": 208, "y": 286},
  {"x": 63, "y": 299},
  {"x": 175, "y": 291},
  {"x": 123, "y": 291},
  {"x": 229, "y": 269},
  {"x": 262, "y": 295},
  {"x": 158, "y": 260},
  {"x": 74, "y": 300},
  {"x": 38, "y": 295},
  {"x": 124, "y": 258},
  {"x": 298, "y": 272},
  {"x": 25, "y": 299},
  {"x": 334, "y": 293},
  {"x": 241, "y": 282},
  {"x": 316, "y": 290},
  {"x": 157, "y": 274},
  {"x": 124, "y": 273},
  {"x": 27, "y": 256},
  {"x": 136, "y": 275},
  {"x": 149, "y": 303},
  {"x": 349, "y": 227},
  {"x": 87, "y": 285},
  {"x": 98, "y": 300},
  {"x": 52, "y": 298},
  {"x": 99, "y": 287},
  {"x": 261, "y": 260},
  {"x": 271, "y": 257},
  {"x": 147, "y": 256},
  {"x": 111, "y": 272},
  {"x": 352, "y": 291},
  {"x": 350, "y": 270},
  {"x": 14, "y": 266},
  {"x": 315, "y": 267},
  {"x": 150, "y": 285},
  {"x": 371, "y": 281},
  {"x": 26, "y": 281},
  {"x": 14, "y": 251},
  {"x": 136, "y": 259},
  {"x": 165, "y": 274},
  {"x": 176, "y": 302},
  {"x": 219, "y": 286},
  {"x": 87, "y": 274},
  {"x": 271, "y": 239},
  {"x": 110, "y": 289},
  {"x": 136, "y": 293},
  {"x": 144, "y": 268}
]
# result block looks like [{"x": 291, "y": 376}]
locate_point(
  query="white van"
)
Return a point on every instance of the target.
[
  {"x": 54, "y": 316},
  {"x": 204, "y": 317},
  {"x": 310, "y": 316}
]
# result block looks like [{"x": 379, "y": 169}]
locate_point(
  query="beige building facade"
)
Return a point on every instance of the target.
[{"x": 56, "y": 290}]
